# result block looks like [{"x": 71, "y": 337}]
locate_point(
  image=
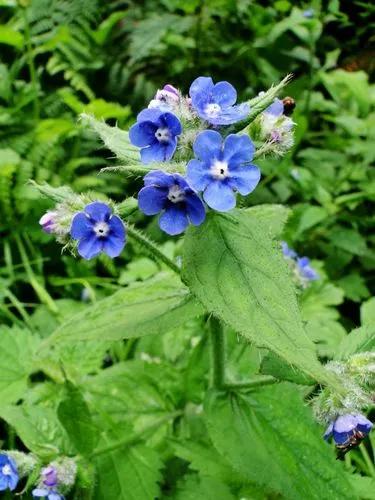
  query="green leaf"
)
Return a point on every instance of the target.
[
  {"x": 16, "y": 361},
  {"x": 75, "y": 417},
  {"x": 359, "y": 340},
  {"x": 269, "y": 436},
  {"x": 273, "y": 365},
  {"x": 272, "y": 217},
  {"x": 128, "y": 474},
  {"x": 147, "y": 308},
  {"x": 196, "y": 487},
  {"x": 9, "y": 36},
  {"x": 239, "y": 274},
  {"x": 364, "y": 486},
  {"x": 115, "y": 139},
  {"x": 38, "y": 428},
  {"x": 368, "y": 312},
  {"x": 349, "y": 240}
]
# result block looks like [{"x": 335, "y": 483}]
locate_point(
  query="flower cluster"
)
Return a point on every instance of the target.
[
  {"x": 199, "y": 164},
  {"x": 56, "y": 477},
  {"x": 300, "y": 266}
]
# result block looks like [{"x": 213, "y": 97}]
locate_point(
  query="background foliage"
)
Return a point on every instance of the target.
[{"x": 61, "y": 58}]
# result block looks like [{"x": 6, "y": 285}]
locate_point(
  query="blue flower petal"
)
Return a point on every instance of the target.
[
  {"x": 13, "y": 481},
  {"x": 245, "y": 179},
  {"x": 151, "y": 200},
  {"x": 329, "y": 431},
  {"x": 363, "y": 424},
  {"x": 117, "y": 227},
  {"x": 276, "y": 108},
  {"x": 238, "y": 149},
  {"x": 3, "y": 482},
  {"x": 81, "y": 226},
  {"x": 195, "y": 209},
  {"x": 173, "y": 221},
  {"x": 172, "y": 122},
  {"x": 219, "y": 196},
  {"x": 158, "y": 151},
  {"x": 98, "y": 211},
  {"x": 224, "y": 94},
  {"x": 342, "y": 437},
  {"x": 150, "y": 115},
  {"x": 40, "y": 492},
  {"x": 207, "y": 146},
  {"x": 198, "y": 175},
  {"x": 230, "y": 115},
  {"x": 113, "y": 246},
  {"x": 158, "y": 178},
  {"x": 90, "y": 247},
  {"x": 142, "y": 134},
  {"x": 200, "y": 91},
  {"x": 53, "y": 495}
]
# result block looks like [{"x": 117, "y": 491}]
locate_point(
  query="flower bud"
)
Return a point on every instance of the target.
[{"x": 47, "y": 222}]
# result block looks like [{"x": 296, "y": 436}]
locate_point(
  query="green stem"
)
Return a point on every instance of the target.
[
  {"x": 137, "y": 437},
  {"x": 367, "y": 459},
  {"x": 31, "y": 64},
  {"x": 151, "y": 248},
  {"x": 256, "y": 382},
  {"x": 217, "y": 353}
]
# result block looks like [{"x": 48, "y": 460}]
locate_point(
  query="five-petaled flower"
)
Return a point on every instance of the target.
[
  {"x": 98, "y": 230},
  {"x": 156, "y": 132},
  {"x": 8, "y": 473},
  {"x": 171, "y": 195},
  {"x": 48, "y": 485},
  {"x": 346, "y": 427},
  {"x": 222, "y": 168},
  {"x": 215, "y": 103}
]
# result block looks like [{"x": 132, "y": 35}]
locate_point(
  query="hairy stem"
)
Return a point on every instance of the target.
[
  {"x": 151, "y": 248},
  {"x": 217, "y": 339},
  {"x": 256, "y": 382}
]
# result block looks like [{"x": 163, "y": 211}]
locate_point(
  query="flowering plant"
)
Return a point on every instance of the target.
[{"x": 197, "y": 157}]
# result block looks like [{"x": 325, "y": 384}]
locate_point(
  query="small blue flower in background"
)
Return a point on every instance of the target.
[
  {"x": 348, "y": 426},
  {"x": 301, "y": 265},
  {"x": 171, "y": 195},
  {"x": 215, "y": 103},
  {"x": 156, "y": 133},
  {"x": 8, "y": 473},
  {"x": 222, "y": 168},
  {"x": 98, "y": 230},
  {"x": 48, "y": 485},
  {"x": 288, "y": 252},
  {"x": 308, "y": 13},
  {"x": 305, "y": 269}
]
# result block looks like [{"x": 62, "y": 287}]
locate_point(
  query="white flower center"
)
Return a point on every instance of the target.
[
  {"x": 219, "y": 169},
  {"x": 212, "y": 110},
  {"x": 176, "y": 194},
  {"x": 101, "y": 229},
  {"x": 162, "y": 135},
  {"x": 6, "y": 470}
]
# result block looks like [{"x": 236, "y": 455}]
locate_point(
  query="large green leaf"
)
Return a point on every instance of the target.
[
  {"x": 16, "y": 352},
  {"x": 359, "y": 340},
  {"x": 38, "y": 428},
  {"x": 269, "y": 436},
  {"x": 76, "y": 419},
  {"x": 196, "y": 487},
  {"x": 235, "y": 269},
  {"x": 146, "y": 308},
  {"x": 128, "y": 474}
]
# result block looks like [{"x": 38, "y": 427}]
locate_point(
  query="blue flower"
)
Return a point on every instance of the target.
[
  {"x": 305, "y": 269},
  {"x": 171, "y": 195},
  {"x": 222, "y": 168},
  {"x": 276, "y": 108},
  {"x": 49, "y": 493},
  {"x": 288, "y": 252},
  {"x": 215, "y": 102},
  {"x": 156, "y": 133},
  {"x": 345, "y": 427},
  {"x": 98, "y": 230},
  {"x": 8, "y": 473}
]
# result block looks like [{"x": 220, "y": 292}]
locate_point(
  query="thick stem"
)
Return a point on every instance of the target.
[
  {"x": 151, "y": 248},
  {"x": 217, "y": 339},
  {"x": 256, "y": 382}
]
